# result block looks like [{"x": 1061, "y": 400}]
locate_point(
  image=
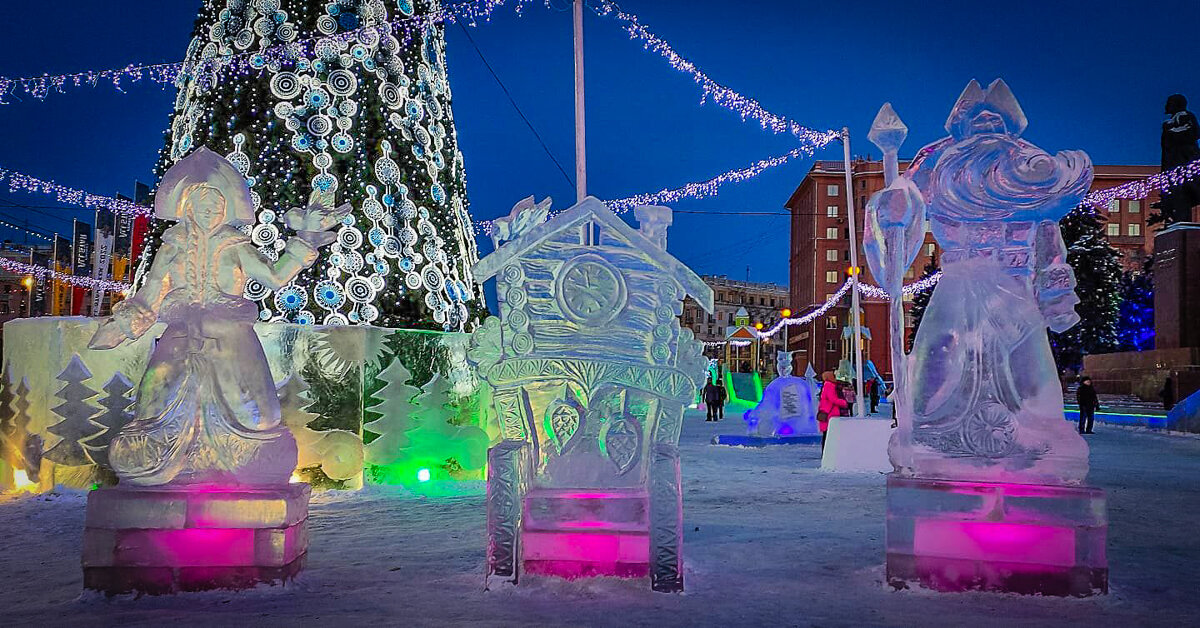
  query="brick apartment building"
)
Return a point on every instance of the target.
[{"x": 820, "y": 252}]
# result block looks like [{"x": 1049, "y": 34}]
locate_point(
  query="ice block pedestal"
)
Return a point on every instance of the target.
[
  {"x": 166, "y": 540},
  {"x": 1020, "y": 538},
  {"x": 579, "y": 534}
]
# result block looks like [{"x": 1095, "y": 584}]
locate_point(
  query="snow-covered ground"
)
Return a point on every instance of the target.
[{"x": 771, "y": 540}]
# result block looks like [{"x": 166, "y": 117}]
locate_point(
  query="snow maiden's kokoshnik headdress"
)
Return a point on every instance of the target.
[{"x": 204, "y": 167}]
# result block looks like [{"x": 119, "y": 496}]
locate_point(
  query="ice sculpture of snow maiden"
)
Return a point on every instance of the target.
[
  {"x": 204, "y": 499},
  {"x": 591, "y": 371},
  {"x": 787, "y": 408},
  {"x": 985, "y": 492}
]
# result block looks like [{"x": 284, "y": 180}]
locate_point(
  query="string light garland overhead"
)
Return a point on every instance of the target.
[
  {"x": 1135, "y": 190},
  {"x": 470, "y": 12},
  {"x": 866, "y": 289},
  {"x": 71, "y": 196},
  {"x": 22, "y": 268},
  {"x": 747, "y": 108}
]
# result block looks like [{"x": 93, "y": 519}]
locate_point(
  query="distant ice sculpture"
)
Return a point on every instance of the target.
[
  {"x": 787, "y": 407},
  {"x": 590, "y": 371},
  {"x": 207, "y": 411},
  {"x": 983, "y": 400}
]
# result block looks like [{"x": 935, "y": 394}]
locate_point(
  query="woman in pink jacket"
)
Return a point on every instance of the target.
[{"x": 831, "y": 404}]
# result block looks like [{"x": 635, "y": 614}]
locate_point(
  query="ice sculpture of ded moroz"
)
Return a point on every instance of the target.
[
  {"x": 207, "y": 410},
  {"x": 983, "y": 400}
]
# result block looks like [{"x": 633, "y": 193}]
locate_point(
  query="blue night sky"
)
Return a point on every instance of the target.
[{"x": 1090, "y": 75}]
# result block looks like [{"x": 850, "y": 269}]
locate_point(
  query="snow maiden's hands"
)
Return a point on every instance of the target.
[
  {"x": 130, "y": 320},
  {"x": 312, "y": 224}
]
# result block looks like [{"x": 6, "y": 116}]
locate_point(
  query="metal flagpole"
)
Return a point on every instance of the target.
[
  {"x": 854, "y": 273},
  {"x": 580, "y": 139}
]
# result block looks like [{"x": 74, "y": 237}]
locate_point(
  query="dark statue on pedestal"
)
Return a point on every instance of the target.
[{"x": 1180, "y": 133}]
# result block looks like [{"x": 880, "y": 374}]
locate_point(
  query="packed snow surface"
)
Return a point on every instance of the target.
[{"x": 770, "y": 540}]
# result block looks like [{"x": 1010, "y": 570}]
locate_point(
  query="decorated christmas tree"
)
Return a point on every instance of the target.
[
  {"x": 348, "y": 98},
  {"x": 1098, "y": 284},
  {"x": 76, "y": 411},
  {"x": 1135, "y": 327},
  {"x": 394, "y": 408},
  {"x": 115, "y": 415}
]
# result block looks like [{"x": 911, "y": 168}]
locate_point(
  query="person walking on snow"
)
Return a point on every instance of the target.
[
  {"x": 712, "y": 396},
  {"x": 1085, "y": 396},
  {"x": 722, "y": 397},
  {"x": 831, "y": 405}
]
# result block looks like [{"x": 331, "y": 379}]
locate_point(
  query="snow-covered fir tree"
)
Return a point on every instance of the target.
[
  {"x": 920, "y": 301},
  {"x": 348, "y": 97},
  {"x": 1098, "y": 276}
]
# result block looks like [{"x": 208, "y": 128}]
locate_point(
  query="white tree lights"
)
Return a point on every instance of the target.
[{"x": 361, "y": 116}]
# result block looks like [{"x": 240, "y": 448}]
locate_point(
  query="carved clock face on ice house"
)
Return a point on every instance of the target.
[{"x": 590, "y": 290}]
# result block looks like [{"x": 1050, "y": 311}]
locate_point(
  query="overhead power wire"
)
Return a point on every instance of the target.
[{"x": 513, "y": 102}]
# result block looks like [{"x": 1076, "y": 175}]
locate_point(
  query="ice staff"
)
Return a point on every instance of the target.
[{"x": 893, "y": 231}]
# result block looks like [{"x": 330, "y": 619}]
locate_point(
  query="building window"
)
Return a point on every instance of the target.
[
  {"x": 1114, "y": 229},
  {"x": 929, "y": 249},
  {"x": 862, "y": 184},
  {"x": 831, "y": 255},
  {"x": 830, "y": 344},
  {"x": 720, "y": 297},
  {"x": 831, "y": 211},
  {"x": 1135, "y": 207},
  {"x": 1114, "y": 206},
  {"x": 862, "y": 202},
  {"x": 762, "y": 300},
  {"x": 908, "y": 274},
  {"x": 831, "y": 276},
  {"x": 828, "y": 297},
  {"x": 831, "y": 190},
  {"x": 908, "y": 296},
  {"x": 772, "y": 302},
  {"x": 831, "y": 233},
  {"x": 711, "y": 320},
  {"x": 1133, "y": 229},
  {"x": 730, "y": 318},
  {"x": 831, "y": 322}
]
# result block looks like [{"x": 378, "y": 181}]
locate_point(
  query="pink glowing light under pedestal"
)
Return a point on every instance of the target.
[{"x": 997, "y": 542}]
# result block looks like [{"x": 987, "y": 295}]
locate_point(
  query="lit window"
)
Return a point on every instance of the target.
[
  {"x": 831, "y": 233},
  {"x": 831, "y": 255},
  {"x": 1134, "y": 229},
  {"x": 831, "y": 322},
  {"x": 929, "y": 249},
  {"x": 1135, "y": 207},
  {"x": 908, "y": 274},
  {"x": 831, "y": 276},
  {"x": 829, "y": 297},
  {"x": 831, "y": 190},
  {"x": 1114, "y": 206},
  {"x": 1114, "y": 229},
  {"x": 831, "y": 211},
  {"x": 908, "y": 296}
]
